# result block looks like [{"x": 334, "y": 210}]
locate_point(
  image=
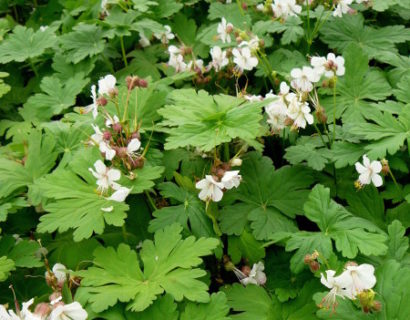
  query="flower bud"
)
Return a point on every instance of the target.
[
  {"x": 42, "y": 310},
  {"x": 55, "y": 296},
  {"x": 307, "y": 259},
  {"x": 121, "y": 152},
  {"x": 385, "y": 167},
  {"x": 288, "y": 121},
  {"x": 137, "y": 162},
  {"x": 246, "y": 270},
  {"x": 229, "y": 29},
  {"x": 136, "y": 135},
  {"x": 117, "y": 127},
  {"x": 113, "y": 92},
  {"x": 102, "y": 101},
  {"x": 377, "y": 305},
  {"x": 107, "y": 135},
  {"x": 236, "y": 162},
  {"x": 321, "y": 115},
  {"x": 142, "y": 83},
  {"x": 225, "y": 166},
  {"x": 351, "y": 264},
  {"x": 314, "y": 266},
  {"x": 244, "y": 6}
]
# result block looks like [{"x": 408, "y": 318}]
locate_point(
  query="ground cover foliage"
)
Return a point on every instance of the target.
[{"x": 202, "y": 159}]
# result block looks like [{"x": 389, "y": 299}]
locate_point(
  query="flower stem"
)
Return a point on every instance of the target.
[
  {"x": 151, "y": 201},
  {"x": 394, "y": 179},
  {"x": 320, "y": 134},
  {"x": 226, "y": 151},
  {"x": 334, "y": 109},
  {"x": 33, "y": 67},
  {"x": 123, "y": 51}
]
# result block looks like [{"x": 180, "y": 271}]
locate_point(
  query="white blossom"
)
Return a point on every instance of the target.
[
  {"x": 231, "y": 179},
  {"x": 43, "y": 28},
  {"x": 329, "y": 66},
  {"x": 177, "y": 62},
  {"x": 133, "y": 146},
  {"x": 298, "y": 111},
  {"x": 256, "y": 276},
  {"x": 338, "y": 287},
  {"x": 253, "y": 98},
  {"x": 106, "y": 84},
  {"x": 252, "y": 44},
  {"x": 369, "y": 172},
  {"x": 363, "y": 277},
  {"x": 94, "y": 106},
  {"x": 106, "y": 149},
  {"x": 72, "y": 311},
  {"x": 285, "y": 8},
  {"x": 210, "y": 189},
  {"x": 120, "y": 194},
  {"x": 224, "y": 29},
  {"x": 277, "y": 109},
  {"x": 104, "y": 7},
  {"x": 303, "y": 79},
  {"x": 60, "y": 272},
  {"x": 165, "y": 36},
  {"x": 243, "y": 59},
  {"x": 106, "y": 177},
  {"x": 219, "y": 59},
  {"x": 342, "y": 8},
  {"x": 144, "y": 41},
  {"x": 25, "y": 313},
  {"x": 111, "y": 121}
]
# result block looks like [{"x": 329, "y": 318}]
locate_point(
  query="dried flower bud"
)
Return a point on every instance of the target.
[
  {"x": 307, "y": 259},
  {"x": 246, "y": 270},
  {"x": 385, "y": 167},
  {"x": 229, "y": 28},
  {"x": 136, "y": 135},
  {"x": 107, "y": 135},
  {"x": 42, "y": 309},
  {"x": 142, "y": 83},
  {"x": 137, "y": 162},
  {"x": 102, "y": 101},
  {"x": 117, "y": 127},
  {"x": 377, "y": 305},
  {"x": 321, "y": 115},
  {"x": 314, "y": 266},
  {"x": 121, "y": 152}
]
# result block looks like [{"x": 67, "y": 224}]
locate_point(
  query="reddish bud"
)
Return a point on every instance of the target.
[
  {"x": 377, "y": 305},
  {"x": 42, "y": 309},
  {"x": 244, "y": 6},
  {"x": 307, "y": 259},
  {"x": 137, "y": 163},
  {"x": 314, "y": 266},
  {"x": 107, "y": 135},
  {"x": 121, "y": 152},
  {"x": 136, "y": 135},
  {"x": 117, "y": 127},
  {"x": 142, "y": 83},
  {"x": 246, "y": 270},
  {"x": 102, "y": 101}
]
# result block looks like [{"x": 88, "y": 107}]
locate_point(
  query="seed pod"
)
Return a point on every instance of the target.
[{"x": 102, "y": 101}]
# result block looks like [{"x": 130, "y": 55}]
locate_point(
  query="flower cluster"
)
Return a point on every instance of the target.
[
  {"x": 55, "y": 309},
  {"x": 354, "y": 282},
  {"x": 281, "y": 9},
  {"x": 343, "y": 7},
  {"x": 246, "y": 275},
  {"x": 116, "y": 142},
  {"x": 369, "y": 172},
  {"x": 212, "y": 186}
]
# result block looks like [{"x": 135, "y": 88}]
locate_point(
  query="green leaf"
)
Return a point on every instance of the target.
[
  {"x": 345, "y": 154},
  {"x": 358, "y": 88},
  {"x": 162, "y": 308},
  {"x": 291, "y": 29},
  {"x": 6, "y": 266},
  {"x": 231, "y": 12},
  {"x": 216, "y": 309},
  {"x": 268, "y": 194},
  {"x": 388, "y": 133},
  {"x": 316, "y": 158},
  {"x": 25, "y": 44},
  {"x": 339, "y": 33},
  {"x": 40, "y": 159},
  {"x": 398, "y": 243},
  {"x": 402, "y": 93},
  {"x": 168, "y": 261},
  {"x": 76, "y": 203},
  {"x": 57, "y": 97},
  {"x": 204, "y": 121},
  {"x": 245, "y": 246},
  {"x": 85, "y": 41},
  {"x": 190, "y": 209},
  {"x": 252, "y": 302},
  {"x": 4, "y": 88}
]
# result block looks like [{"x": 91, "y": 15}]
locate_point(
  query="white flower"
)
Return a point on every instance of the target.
[
  {"x": 94, "y": 106},
  {"x": 368, "y": 172},
  {"x": 236, "y": 162},
  {"x": 363, "y": 277},
  {"x": 59, "y": 270},
  {"x": 177, "y": 62},
  {"x": 197, "y": 64},
  {"x": 224, "y": 29},
  {"x": 110, "y": 121},
  {"x": 210, "y": 189},
  {"x": 106, "y": 149},
  {"x": 173, "y": 50},
  {"x": 73, "y": 311},
  {"x": 120, "y": 194},
  {"x": 276, "y": 112},
  {"x": 165, "y": 36},
  {"x": 144, "y": 41},
  {"x": 219, "y": 59},
  {"x": 104, "y": 7},
  {"x": 107, "y": 209},
  {"x": 43, "y": 28},
  {"x": 106, "y": 84},
  {"x": 302, "y": 78},
  {"x": 243, "y": 59},
  {"x": 231, "y": 179},
  {"x": 285, "y": 8},
  {"x": 298, "y": 111},
  {"x": 25, "y": 313},
  {"x": 97, "y": 136},
  {"x": 133, "y": 146},
  {"x": 106, "y": 177},
  {"x": 338, "y": 287},
  {"x": 342, "y": 8},
  {"x": 252, "y": 44},
  {"x": 329, "y": 66},
  {"x": 253, "y": 98},
  {"x": 256, "y": 276}
]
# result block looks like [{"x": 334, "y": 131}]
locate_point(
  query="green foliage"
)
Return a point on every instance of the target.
[
  {"x": 204, "y": 121},
  {"x": 167, "y": 266}
]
